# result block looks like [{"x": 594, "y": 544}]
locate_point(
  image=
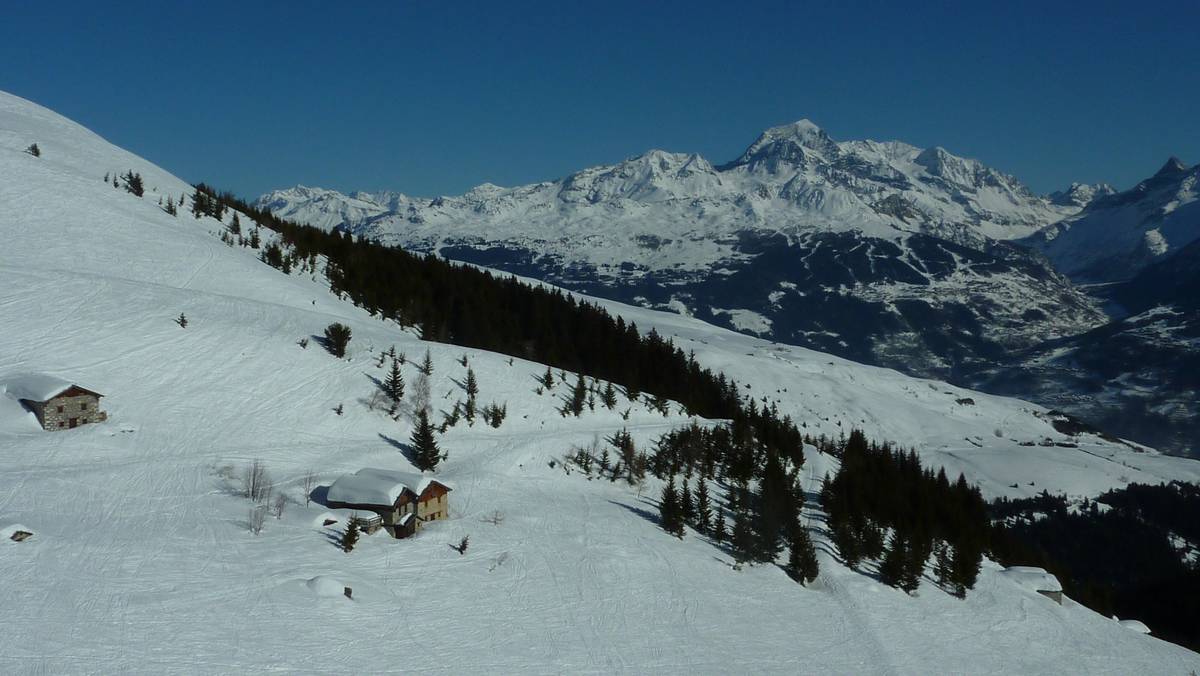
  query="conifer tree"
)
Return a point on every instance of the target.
[
  {"x": 914, "y": 564},
  {"x": 669, "y": 511},
  {"x": 547, "y": 380},
  {"x": 686, "y": 506},
  {"x": 34, "y": 150},
  {"x": 703, "y": 508},
  {"x": 425, "y": 449},
  {"x": 892, "y": 568},
  {"x": 350, "y": 537},
  {"x": 609, "y": 396},
  {"x": 337, "y": 338},
  {"x": 578, "y": 397},
  {"x": 394, "y": 384},
  {"x": 964, "y": 564},
  {"x": 255, "y": 241},
  {"x": 133, "y": 183},
  {"x": 942, "y": 569},
  {"x": 802, "y": 557},
  {"x": 773, "y": 510},
  {"x": 719, "y": 533},
  {"x": 472, "y": 387},
  {"x": 426, "y": 366},
  {"x": 235, "y": 227},
  {"x": 743, "y": 537}
]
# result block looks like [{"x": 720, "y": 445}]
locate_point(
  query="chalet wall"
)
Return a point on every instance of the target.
[{"x": 84, "y": 408}]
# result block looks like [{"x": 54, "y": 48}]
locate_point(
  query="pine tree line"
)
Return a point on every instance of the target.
[{"x": 883, "y": 505}]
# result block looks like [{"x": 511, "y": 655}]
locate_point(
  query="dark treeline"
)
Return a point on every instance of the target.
[
  {"x": 884, "y": 506},
  {"x": 1116, "y": 554},
  {"x": 457, "y": 304}
]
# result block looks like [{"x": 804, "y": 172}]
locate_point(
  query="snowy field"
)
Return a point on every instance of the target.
[{"x": 141, "y": 560}]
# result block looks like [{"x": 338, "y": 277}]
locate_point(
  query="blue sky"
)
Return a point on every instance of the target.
[{"x": 435, "y": 97}]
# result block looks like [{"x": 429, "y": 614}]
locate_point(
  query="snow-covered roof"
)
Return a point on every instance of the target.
[
  {"x": 36, "y": 386},
  {"x": 1033, "y": 578},
  {"x": 373, "y": 486}
]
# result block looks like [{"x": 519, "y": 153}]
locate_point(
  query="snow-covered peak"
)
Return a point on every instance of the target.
[
  {"x": 1121, "y": 233},
  {"x": 787, "y": 147},
  {"x": 1081, "y": 194},
  {"x": 1172, "y": 166}
]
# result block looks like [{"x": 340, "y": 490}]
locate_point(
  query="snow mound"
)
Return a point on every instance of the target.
[
  {"x": 1033, "y": 578},
  {"x": 326, "y": 586},
  {"x": 1134, "y": 625}
]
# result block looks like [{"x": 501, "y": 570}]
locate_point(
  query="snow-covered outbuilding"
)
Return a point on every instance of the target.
[
  {"x": 11, "y": 530},
  {"x": 403, "y": 500},
  {"x": 57, "y": 403},
  {"x": 1036, "y": 579}
]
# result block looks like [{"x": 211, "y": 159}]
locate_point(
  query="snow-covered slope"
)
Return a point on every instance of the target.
[
  {"x": 845, "y": 247},
  {"x": 141, "y": 562},
  {"x": 1117, "y": 235}
]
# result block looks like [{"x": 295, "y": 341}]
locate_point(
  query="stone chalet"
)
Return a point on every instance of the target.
[
  {"x": 404, "y": 502},
  {"x": 58, "y": 404}
]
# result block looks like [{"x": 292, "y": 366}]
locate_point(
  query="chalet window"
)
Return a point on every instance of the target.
[
  {"x": 83, "y": 406},
  {"x": 60, "y": 409},
  {"x": 60, "y": 423}
]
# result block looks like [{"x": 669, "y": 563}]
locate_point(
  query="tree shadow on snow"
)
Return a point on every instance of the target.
[
  {"x": 407, "y": 450},
  {"x": 644, "y": 513}
]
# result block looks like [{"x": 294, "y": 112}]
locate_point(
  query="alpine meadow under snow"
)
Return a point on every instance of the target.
[{"x": 141, "y": 559}]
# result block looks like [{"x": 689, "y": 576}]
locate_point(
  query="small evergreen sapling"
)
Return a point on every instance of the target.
[
  {"x": 350, "y": 537},
  {"x": 34, "y": 150},
  {"x": 702, "y": 511},
  {"x": 609, "y": 396},
  {"x": 472, "y": 387},
  {"x": 578, "y": 397}
]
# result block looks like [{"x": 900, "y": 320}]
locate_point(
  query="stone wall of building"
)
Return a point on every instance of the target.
[{"x": 58, "y": 413}]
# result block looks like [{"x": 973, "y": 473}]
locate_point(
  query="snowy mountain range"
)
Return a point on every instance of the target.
[
  {"x": 879, "y": 252},
  {"x": 1118, "y": 234},
  {"x": 853, "y": 247},
  {"x": 140, "y": 559}
]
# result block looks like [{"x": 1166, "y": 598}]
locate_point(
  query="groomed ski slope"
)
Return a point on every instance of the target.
[{"x": 141, "y": 561}]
